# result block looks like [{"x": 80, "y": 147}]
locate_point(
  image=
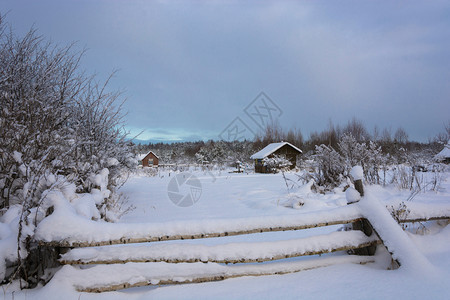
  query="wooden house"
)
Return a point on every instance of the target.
[
  {"x": 283, "y": 149},
  {"x": 149, "y": 160},
  {"x": 444, "y": 155}
]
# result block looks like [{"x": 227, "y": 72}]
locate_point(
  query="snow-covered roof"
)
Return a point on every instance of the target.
[
  {"x": 445, "y": 153},
  {"x": 271, "y": 148},
  {"x": 142, "y": 156}
]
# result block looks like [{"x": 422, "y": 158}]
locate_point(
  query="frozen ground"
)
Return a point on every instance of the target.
[{"x": 226, "y": 197}]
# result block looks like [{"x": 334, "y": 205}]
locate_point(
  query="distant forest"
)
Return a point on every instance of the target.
[{"x": 394, "y": 143}]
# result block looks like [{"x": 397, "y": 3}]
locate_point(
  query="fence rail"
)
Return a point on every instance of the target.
[
  {"x": 224, "y": 253},
  {"x": 257, "y": 229},
  {"x": 188, "y": 263}
]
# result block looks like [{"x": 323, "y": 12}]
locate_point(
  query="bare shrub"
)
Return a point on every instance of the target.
[
  {"x": 402, "y": 177},
  {"x": 399, "y": 213}
]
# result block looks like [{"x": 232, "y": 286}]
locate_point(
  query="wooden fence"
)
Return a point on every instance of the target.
[{"x": 183, "y": 257}]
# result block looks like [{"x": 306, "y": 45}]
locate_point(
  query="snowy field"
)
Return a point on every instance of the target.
[{"x": 224, "y": 198}]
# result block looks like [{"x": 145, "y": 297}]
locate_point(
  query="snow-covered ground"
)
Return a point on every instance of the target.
[{"x": 223, "y": 199}]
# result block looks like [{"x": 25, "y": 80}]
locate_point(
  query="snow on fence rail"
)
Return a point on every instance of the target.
[
  {"x": 157, "y": 264},
  {"x": 226, "y": 253},
  {"x": 91, "y": 233},
  {"x": 103, "y": 278},
  {"x": 188, "y": 263}
]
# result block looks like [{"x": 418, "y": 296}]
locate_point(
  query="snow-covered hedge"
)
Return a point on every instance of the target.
[{"x": 59, "y": 130}]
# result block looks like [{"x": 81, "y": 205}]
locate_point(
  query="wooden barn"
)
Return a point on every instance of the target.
[
  {"x": 283, "y": 149},
  {"x": 149, "y": 160}
]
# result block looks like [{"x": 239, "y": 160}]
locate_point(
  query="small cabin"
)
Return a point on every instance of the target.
[
  {"x": 444, "y": 155},
  {"x": 282, "y": 149},
  {"x": 149, "y": 160}
]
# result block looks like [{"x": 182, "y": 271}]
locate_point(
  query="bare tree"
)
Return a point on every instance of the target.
[
  {"x": 357, "y": 129},
  {"x": 376, "y": 135},
  {"x": 294, "y": 136},
  {"x": 447, "y": 129},
  {"x": 443, "y": 137},
  {"x": 386, "y": 135},
  {"x": 400, "y": 136},
  {"x": 330, "y": 136}
]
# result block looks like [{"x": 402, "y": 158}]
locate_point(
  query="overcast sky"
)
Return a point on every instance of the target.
[{"x": 190, "y": 68}]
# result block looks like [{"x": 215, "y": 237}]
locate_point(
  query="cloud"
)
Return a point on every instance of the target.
[
  {"x": 192, "y": 67},
  {"x": 169, "y": 135}
]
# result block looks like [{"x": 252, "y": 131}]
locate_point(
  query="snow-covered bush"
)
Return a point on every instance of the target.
[
  {"x": 276, "y": 163},
  {"x": 330, "y": 167},
  {"x": 375, "y": 162},
  {"x": 54, "y": 121},
  {"x": 212, "y": 152},
  {"x": 58, "y": 128},
  {"x": 353, "y": 153},
  {"x": 368, "y": 155}
]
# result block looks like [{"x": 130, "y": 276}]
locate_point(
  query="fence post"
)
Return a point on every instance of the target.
[
  {"x": 363, "y": 225},
  {"x": 359, "y": 187}
]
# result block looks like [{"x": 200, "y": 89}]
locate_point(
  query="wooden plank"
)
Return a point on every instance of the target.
[
  {"x": 415, "y": 220},
  {"x": 146, "y": 239},
  {"x": 225, "y": 261},
  {"x": 124, "y": 240},
  {"x": 181, "y": 277}
]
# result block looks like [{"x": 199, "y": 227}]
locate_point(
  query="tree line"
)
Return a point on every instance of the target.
[{"x": 395, "y": 143}]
